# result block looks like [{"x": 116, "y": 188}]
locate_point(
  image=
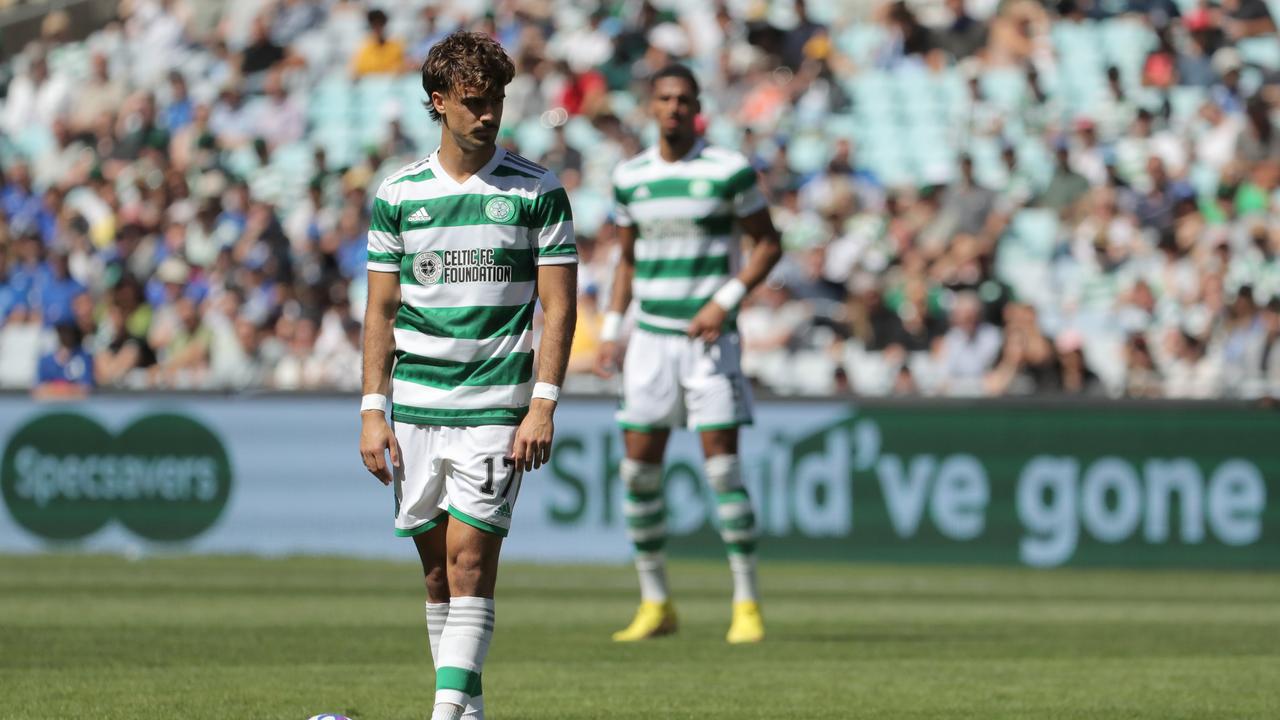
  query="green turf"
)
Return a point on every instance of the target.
[{"x": 236, "y": 638}]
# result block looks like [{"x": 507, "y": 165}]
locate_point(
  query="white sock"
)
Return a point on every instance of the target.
[
  {"x": 446, "y": 711},
  {"x": 652, "y": 569},
  {"x": 737, "y": 523},
  {"x": 463, "y": 647},
  {"x": 743, "y": 568},
  {"x": 437, "y": 615}
]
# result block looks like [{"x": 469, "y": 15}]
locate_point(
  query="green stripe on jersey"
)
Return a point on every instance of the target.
[
  {"x": 508, "y": 171},
  {"x": 479, "y": 322},
  {"x": 385, "y": 257},
  {"x": 677, "y": 309},
  {"x": 457, "y": 417},
  {"x": 551, "y": 208},
  {"x": 472, "y": 209},
  {"x": 422, "y": 176},
  {"x": 696, "y": 188},
  {"x": 682, "y": 267},
  {"x": 513, "y": 369}
]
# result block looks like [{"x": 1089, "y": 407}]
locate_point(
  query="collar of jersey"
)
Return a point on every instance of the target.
[
  {"x": 434, "y": 161},
  {"x": 698, "y": 146}
]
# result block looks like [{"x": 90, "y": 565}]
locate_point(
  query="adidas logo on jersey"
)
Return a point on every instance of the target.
[
  {"x": 642, "y": 192},
  {"x": 419, "y": 216}
]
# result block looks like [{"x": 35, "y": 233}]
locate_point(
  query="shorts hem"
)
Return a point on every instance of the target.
[
  {"x": 477, "y": 523},
  {"x": 456, "y": 422},
  {"x": 639, "y": 427},
  {"x": 424, "y": 527},
  {"x": 721, "y": 426}
]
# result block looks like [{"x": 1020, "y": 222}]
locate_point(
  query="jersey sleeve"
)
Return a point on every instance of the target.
[
  {"x": 621, "y": 214},
  {"x": 386, "y": 246},
  {"x": 552, "y": 226},
  {"x": 744, "y": 192}
]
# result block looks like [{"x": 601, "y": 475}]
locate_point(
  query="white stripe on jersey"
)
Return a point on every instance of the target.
[{"x": 460, "y": 349}]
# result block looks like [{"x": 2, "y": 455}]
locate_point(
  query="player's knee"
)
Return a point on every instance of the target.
[
  {"x": 466, "y": 570},
  {"x": 723, "y": 473},
  {"x": 639, "y": 477},
  {"x": 437, "y": 581}
]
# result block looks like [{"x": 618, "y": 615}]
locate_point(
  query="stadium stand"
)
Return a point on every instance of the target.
[{"x": 976, "y": 198}]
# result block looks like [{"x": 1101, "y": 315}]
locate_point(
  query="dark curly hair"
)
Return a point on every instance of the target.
[{"x": 465, "y": 61}]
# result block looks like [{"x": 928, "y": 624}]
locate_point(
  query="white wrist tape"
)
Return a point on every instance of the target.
[
  {"x": 611, "y": 328},
  {"x": 730, "y": 294},
  {"x": 373, "y": 401},
  {"x": 546, "y": 391}
]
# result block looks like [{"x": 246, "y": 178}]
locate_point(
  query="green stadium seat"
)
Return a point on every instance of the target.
[
  {"x": 1261, "y": 51},
  {"x": 808, "y": 153}
]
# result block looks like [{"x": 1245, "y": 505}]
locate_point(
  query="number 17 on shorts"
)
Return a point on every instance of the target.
[{"x": 462, "y": 472}]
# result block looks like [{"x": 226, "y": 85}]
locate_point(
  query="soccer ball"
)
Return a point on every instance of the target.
[{"x": 327, "y": 716}]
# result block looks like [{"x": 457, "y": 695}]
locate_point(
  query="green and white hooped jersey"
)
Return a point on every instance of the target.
[
  {"x": 467, "y": 254},
  {"x": 684, "y": 214}
]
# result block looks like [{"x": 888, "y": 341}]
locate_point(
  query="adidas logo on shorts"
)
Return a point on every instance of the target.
[{"x": 505, "y": 510}]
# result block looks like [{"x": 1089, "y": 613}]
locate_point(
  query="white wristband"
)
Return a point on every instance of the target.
[
  {"x": 374, "y": 401},
  {"x": 611, "y": 328},
  {"x": 546, "y": 391},
  {"x": 730, "y": 294}
]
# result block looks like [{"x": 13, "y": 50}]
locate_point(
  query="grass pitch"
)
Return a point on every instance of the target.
[{"x": 232, "y": 638}]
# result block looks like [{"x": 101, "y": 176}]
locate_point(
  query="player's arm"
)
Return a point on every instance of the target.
[
  {"x": 558, "y": 293},
  {"x": 609, "y": 355},
  {"x": 765, "y": 252},
  {"x": 376, "y": 436},
  {"x": 386, "y": 250}
]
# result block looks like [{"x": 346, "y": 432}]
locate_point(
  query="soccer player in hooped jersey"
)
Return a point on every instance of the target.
[
  {"x": 680, "y": 206},
  {"x": 461, "y": 247}
]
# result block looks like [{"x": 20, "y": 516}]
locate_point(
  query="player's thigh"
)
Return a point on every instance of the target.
[
  {"x": 651, "y": 396},
  {"x": 717, "y": 395},
  {"x": 482, "y": 481},
  {"x": 419, "y": 481}
]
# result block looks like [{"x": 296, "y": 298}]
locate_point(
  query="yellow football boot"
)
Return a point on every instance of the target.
[
  {"x": 653, "y": 619},
  {"x": 748, "y": 625}
]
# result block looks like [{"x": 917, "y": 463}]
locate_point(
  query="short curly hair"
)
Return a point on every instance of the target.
[{"x": 462, "y": 61}]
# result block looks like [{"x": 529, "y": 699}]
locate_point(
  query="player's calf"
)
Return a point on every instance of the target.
[{"x": 738, "y": 531}]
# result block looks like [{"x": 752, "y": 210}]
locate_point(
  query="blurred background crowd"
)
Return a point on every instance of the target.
[{"x": 977, "y": 197}]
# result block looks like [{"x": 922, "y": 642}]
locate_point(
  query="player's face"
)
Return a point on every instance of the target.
[
  {"x": 473, "y": 116},
  {"x": 674, "y": 105}
]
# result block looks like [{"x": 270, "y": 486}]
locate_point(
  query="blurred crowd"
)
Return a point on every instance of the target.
[{"x": 976, "y": 198}]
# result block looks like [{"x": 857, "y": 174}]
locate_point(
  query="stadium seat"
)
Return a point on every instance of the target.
[{"x": 1261, "y": 51}]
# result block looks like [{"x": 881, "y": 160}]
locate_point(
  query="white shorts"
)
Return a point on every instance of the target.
[
  {"x": 463, "y": 472},
  {"x": 672, "y": 380}
]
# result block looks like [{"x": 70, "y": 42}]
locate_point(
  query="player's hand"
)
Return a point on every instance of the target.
[
  {"x": 532, "y": 446},
  {"x": 376, "y": 441},
  {"x": 608, "y": 359},
  {"x": 706, "y": 325}
]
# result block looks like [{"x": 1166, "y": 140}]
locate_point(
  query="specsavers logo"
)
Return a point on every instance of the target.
[
  {"x": 431, "y": 267},
  {"x": 165, "y": 477}
]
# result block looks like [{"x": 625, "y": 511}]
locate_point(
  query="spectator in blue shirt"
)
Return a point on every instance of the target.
[
  {"x": 29, "y": 272},
  {"x": 67, "y": 372},
  {"x": 56, "y": 290}
]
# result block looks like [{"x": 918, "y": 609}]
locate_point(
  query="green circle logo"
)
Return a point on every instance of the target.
[
  {"x": 165, "y": 477},
  {"x": 500, "y": 209}
]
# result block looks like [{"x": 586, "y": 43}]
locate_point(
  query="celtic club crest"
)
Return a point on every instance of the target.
[
  {"x": 427, "y": 267},
  {"x": 500, "y": 209}
]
